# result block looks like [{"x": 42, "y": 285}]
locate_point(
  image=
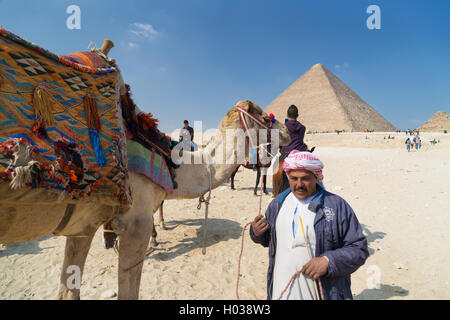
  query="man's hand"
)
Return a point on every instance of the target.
[
  {"x": 315, "y": 268},
  {"x": 259, "y": 225}
]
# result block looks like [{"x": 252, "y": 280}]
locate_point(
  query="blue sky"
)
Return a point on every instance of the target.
[{"x": 194, "y": 59}]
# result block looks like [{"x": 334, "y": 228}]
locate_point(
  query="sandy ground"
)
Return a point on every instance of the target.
[{"x": 401, "y": 199}]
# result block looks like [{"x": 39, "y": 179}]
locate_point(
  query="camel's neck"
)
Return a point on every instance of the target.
[{"x": 197, "y": 178}]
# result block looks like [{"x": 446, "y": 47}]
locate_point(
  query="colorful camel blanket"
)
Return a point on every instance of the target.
[
  {"x": 60, "y": 122},
  {"x": 149, "y": 163}
]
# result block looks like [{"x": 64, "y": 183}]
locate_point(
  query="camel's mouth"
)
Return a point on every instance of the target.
[{"x": 285, "y": 137}]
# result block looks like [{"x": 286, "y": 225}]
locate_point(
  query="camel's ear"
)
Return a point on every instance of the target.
[
  {"x": 251, "y": 107},
  {"x": 247, "y": 105}
]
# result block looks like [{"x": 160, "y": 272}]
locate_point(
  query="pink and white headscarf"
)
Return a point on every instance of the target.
[{"x": 297, "y": 160}]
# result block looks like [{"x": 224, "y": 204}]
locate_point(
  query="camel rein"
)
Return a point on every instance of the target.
[{"x": 202, "y": 199}]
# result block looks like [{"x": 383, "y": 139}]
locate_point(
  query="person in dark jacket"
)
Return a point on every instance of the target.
[
  {"x": 187, "y": 135},
  {"x": 297, "y": 134},
  {"x": 332, "y": 230}
]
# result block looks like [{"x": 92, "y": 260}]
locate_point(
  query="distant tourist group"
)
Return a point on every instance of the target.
[{"x": 414, "y": 142}]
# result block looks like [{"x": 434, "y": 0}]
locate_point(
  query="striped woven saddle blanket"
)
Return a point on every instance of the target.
[{"x": 150, "y": 163}]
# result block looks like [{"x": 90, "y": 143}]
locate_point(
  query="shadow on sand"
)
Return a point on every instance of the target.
[
  {"x": 269, "y": 190},
  {"x": 218, "y": 230},
  {"x": 372, "y": 236},
  {"x": 23, "y": 248},
  {"x": 385, "y": 292}
]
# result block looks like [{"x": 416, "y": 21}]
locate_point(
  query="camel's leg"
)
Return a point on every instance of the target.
[
  {"x": 276, "y": 180},
  {"x": 153, "y": 242},
  {"x": 232, "y": 178},
  {"x": 133, "y": 242},
  {"x": 265, "y": 184},
  {"x": 161, "y": 217},
  {"x": 132, "y": 247},
  {"x": 108, "y": 238},
  {"x": 74, "y": 258},
  {"x": 258, "y": 177},
  {"x": 275, "y": 184}
]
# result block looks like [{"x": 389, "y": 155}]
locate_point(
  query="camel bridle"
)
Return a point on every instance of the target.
[{"x": 243, "y": 112}]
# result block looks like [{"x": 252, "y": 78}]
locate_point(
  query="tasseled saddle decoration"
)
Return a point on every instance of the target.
[
  {"x": 95, "y": 141},
  {"x": 142, "y": 121},
  {"x": 42, "y": 105},
  {"x": 129, "y": 111},
  {"x": 94, "y": 125},
  {"x": 147, "y": 121},
  {"x": 70, "y": 163},
  {"x": 39, "y": 129},
  {"x": 91, "y": 109}
]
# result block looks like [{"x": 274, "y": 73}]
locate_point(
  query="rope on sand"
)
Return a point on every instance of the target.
[
  {"x": 242, "y": 239},
  {"x": 239, "y": 268},
  {"x": 239, "y": 261}
]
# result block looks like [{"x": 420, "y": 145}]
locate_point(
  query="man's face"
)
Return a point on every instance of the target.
[
  {"x": 186, "y": 125},
  {"x": 303, "y": 183}
]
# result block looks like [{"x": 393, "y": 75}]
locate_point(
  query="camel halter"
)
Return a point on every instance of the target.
[{"x": 242, "y": 111}]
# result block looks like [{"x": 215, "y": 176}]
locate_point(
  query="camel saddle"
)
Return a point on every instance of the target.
[{"x": 61, "y": 129}]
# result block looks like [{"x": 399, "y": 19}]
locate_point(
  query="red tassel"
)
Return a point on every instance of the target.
[
  {"x": 147, "y": 121},
  {"x": 39, "y": 129},
  {"x": 91, "y": 109},
  {"x": 129, "y": 104},
  {"x": 129, "y": 112}
]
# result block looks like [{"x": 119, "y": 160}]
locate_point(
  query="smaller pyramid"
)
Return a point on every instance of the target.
[{"x": 438, "y": 122}]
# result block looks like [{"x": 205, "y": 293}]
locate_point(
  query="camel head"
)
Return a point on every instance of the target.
[{"x": 233, "y": 121}]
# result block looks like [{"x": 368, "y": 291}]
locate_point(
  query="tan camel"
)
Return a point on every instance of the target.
[{"x": 25, "y": 222}]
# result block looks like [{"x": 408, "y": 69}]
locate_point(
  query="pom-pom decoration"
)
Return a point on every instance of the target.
[{"x": 272, "y": 118}]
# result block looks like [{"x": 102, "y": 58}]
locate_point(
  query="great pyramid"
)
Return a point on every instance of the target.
[
  {"x": 326, "y": 104},
  {"x": 439, "y": 121}
]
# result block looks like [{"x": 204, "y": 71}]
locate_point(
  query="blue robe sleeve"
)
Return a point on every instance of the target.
[{"x": 353, "y": 252}]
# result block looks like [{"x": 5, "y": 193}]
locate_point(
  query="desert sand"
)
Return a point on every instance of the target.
[{"x": 402, "y": 200}]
